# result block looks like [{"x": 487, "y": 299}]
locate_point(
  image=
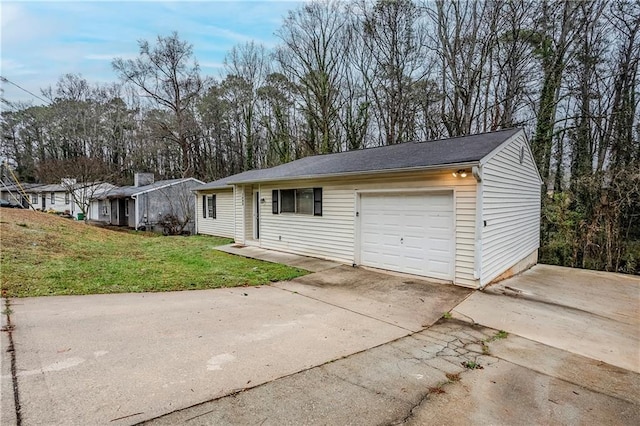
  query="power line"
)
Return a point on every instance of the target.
[{"x": 6, "y": 80}]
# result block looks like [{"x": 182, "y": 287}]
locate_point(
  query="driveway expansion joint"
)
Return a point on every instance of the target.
[
  {"x": 8, "y": 328},
  {"x": 349, "y": 310}
]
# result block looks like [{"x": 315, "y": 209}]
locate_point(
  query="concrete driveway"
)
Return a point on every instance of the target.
[
  {"x": 459, "y": 372},
  {"x": 589, "y": 313},
  {"x": 123, "y": 358}
]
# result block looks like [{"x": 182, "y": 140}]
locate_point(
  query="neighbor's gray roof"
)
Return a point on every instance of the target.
[
  {"x": 128, "y": 191},
  {"x": 409, "y": 155},
  {"x": 28, "y": 187},
  {"x": 55, "y": 187}
]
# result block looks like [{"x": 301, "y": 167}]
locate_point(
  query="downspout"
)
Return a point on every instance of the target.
[
  {"x": 135, "y": 208},
  {"x": 477, "y": 271}
]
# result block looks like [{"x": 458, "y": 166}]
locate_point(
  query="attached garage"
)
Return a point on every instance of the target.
[
  {"x": 464, "y": 210},
  {"x": 412, "y": 232}
]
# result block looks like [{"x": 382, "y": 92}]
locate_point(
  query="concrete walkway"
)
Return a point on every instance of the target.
[{"x": 303, "y": 262}]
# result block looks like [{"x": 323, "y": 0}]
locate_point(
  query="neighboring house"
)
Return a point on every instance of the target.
[
  {"x": 53, "y": 197},
  {"x": 94, "y": 208},
  {"x": 145, "y": 204},
  {"x": 17, "y": 193},
  {"x": 464, "y": 210},
  {"x": 64, "y": 197}
]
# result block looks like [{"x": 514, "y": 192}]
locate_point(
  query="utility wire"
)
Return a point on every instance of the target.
[{"x": 6, "y": 80}]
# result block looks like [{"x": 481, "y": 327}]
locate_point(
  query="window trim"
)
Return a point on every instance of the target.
[
  {"x": 34, "y": 199},
  {"x": 52, "y": 198},
  {"x": 209, "y": 206},
  {"x": 67, "y": 198},
  {"x": 316, "y": 206}
]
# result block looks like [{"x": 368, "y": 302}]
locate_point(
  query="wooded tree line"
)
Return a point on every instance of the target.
[{"x": 351, "y": 75}]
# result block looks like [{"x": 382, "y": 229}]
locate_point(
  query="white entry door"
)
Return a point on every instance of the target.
[{"x": 408, "y": 232}]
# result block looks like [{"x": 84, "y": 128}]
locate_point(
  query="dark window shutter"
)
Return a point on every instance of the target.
[
  {"x": 215, "y": 207},
  {"x": 317, "y": 201},
  {"x": 274, "y": 201},
  {"x": 204, "y": 206}
]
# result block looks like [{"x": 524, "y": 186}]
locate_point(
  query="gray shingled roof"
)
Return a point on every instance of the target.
[
  {"x": 28, "y": 187},
  {"x": 410, "y": 155},
  {"x": 128, "y": 191},
  {"x": 54, "y": 187}
]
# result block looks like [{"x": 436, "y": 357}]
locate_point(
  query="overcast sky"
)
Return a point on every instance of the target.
[{"x": 42, "y": 40}]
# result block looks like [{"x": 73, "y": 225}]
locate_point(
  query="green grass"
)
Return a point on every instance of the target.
[{"x": 55, "y": 256}]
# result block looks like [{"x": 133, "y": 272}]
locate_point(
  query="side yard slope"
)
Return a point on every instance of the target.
[{"x": 42, "y": 254}]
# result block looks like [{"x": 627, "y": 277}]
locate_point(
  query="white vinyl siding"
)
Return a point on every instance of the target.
[
  {"x": 56, "y": 201},
  {"x": 333, "y": 235},
  {"x": 222, "y": 225},
  {"x": 510, "y": 210}
]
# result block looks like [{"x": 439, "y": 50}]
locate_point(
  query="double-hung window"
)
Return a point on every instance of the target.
[
  {"x": 299, "y": 201},
  {"x": 66, "y": 198},
  {"x": 209, "y": 206},
  {"x": 53, "y": 198},
  {"x": 34, "y": 198}
]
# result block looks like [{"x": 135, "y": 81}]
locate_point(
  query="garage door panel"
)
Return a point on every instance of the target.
[
  {"x": 411, "y": 233},
  {"x": 439, "y": 267}
]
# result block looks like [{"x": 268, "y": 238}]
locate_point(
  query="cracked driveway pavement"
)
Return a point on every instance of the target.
[
  {"x": 125, "y": 358},
  {"x": 345, "y": 346}
]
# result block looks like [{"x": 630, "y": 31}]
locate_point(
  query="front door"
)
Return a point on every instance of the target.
[{"x": 256, "y": 215}]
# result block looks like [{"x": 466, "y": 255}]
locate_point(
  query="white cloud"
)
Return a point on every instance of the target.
[
  {"x": 11, "y": 67},
  {"x": 108, "y": 56},
  {"x": 213, "y": 65}
]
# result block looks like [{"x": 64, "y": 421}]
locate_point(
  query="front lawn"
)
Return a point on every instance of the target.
[{"x": 44, "y": 255}]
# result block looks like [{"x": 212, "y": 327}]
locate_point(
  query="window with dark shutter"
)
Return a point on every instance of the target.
[
  {"x": 317, "y": 201},
  {"x": 274, "y": 201},
  {"x": 211, "y": 206},
  {"x": 204, "y": 206}
]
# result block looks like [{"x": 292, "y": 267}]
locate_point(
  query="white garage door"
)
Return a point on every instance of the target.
[{"x": 408, "y": 232}]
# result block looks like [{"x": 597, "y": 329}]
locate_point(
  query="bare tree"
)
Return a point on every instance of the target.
[
  {"x": 247, "y": 67},
  {"x": 313, "y": 54},
  {"x": 394, "y": 39},
  {"x": 168, "y": 74}
]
